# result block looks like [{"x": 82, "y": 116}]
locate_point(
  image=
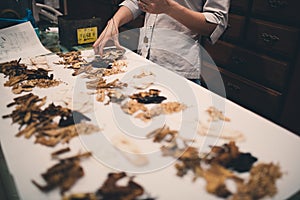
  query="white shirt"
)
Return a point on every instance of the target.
[{"x": 170, "y": 43}]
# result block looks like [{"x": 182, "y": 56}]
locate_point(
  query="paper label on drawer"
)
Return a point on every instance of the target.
[{"x": 87, "y": 35}]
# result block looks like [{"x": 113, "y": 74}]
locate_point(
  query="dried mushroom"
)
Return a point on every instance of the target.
[
  {"x": 23, "y": 79},
  {"x": 40, "y": 122},
  {"x": 64, "y": 174}
]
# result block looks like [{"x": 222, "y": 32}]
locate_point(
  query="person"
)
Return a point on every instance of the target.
[{"x": 172, "y": 31}]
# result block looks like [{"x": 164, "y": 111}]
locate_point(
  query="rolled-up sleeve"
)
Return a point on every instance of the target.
[
  {"x": 132, "y": 6},
  {"x": 216, "y": 12}
]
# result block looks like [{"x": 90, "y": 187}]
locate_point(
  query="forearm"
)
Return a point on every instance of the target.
[
  {"x": 193, "y": 20},
  {"x": 122, "y": 16}
]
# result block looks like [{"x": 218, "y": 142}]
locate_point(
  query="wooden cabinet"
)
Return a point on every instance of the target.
[
  {"x": 273, "y": 38},
  {"x": 257, "y": 57},
  {"x": 283, "y": 11}
]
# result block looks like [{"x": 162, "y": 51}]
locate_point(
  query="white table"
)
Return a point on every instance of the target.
[{"x": 26, "y": 160}]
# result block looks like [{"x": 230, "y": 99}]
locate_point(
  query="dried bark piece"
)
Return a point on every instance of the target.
[
  {"x": 63, "y": 175},
  {"x": 161, "y": 134},
  {"x": 110, "y": 189},
  {"x": 60, "y": 151}
]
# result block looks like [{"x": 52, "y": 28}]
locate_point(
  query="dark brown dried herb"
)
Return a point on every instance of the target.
[
  {"x": 23, "y": 79},
  {"x": 152, "y": 96},
  {"x": 40, "y": 122},
  {"x": 63, "y": 175},
  {"x": 111, "y": 190},
  {"x": 230, "y": 157}
]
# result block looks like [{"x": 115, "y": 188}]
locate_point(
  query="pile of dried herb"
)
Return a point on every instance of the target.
[
  {"x": 43, "y": 123},
  {"x": 20, "y": 78}
]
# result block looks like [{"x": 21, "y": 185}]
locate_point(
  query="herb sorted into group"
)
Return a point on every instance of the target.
[
  {"x": 220, "y": 164},
  {"x": 64, "y": 174},
  {"x": 22, "y": 79},
  {"x": 42, "y": 124},
  {"x": 147, "y": 97},
  {"x": 111, "y": 190}
]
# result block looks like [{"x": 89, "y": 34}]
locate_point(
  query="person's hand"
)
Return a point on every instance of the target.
[
  {"x": 110, "y": 32},
  {"x": 155, "y": 6}
]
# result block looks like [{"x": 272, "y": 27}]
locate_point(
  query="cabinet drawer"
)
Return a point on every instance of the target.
[
  {"x": 273, "y": 37},
  {"x": 248, "y": 94},
  {"x": 281, "y": 10},
  {"x": 236, "y": 27},
  {"x": 239, "y": 6},
  {"x": 256, "y": 67}
]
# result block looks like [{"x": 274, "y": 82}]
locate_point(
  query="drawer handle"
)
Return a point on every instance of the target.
[
  {"x": 277, "y": 3},
  {"x": 233, "y": 87},
  {"x": 269, "y": 39},
  {"x": 238, "y": 60}
]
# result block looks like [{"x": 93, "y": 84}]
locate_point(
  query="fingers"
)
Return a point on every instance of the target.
[{"x": 117, "y": 43}]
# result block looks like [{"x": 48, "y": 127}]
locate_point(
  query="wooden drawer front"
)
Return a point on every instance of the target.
[
  {"x": 239, "y": 6},
  {"x": 262, "y": 69},
  {"x": 246, "y": 93},
  {"x": 273, "y": 37},
  {"x": 235, "y": 27},
  {"x": 281, "y": 10}
]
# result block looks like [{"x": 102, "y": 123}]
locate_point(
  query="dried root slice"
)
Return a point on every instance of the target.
[
  {"x": 72, "y": 59},
  {"x": 163, "y": 134},
  {"x": 61, "y": 151},
  {"x": 216, "y": 114},
  {"x": 63, "y": 135},
  {"x": 102, "y": 84},
  {"x": 132, "y": 106},
  {"x": 63, "y": 175},
  {"x": 163, "y": 108},
  {"x": 115, "y": 69}
]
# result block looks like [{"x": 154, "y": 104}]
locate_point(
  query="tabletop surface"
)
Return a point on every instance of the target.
[{"x": 27, "y": 161}]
